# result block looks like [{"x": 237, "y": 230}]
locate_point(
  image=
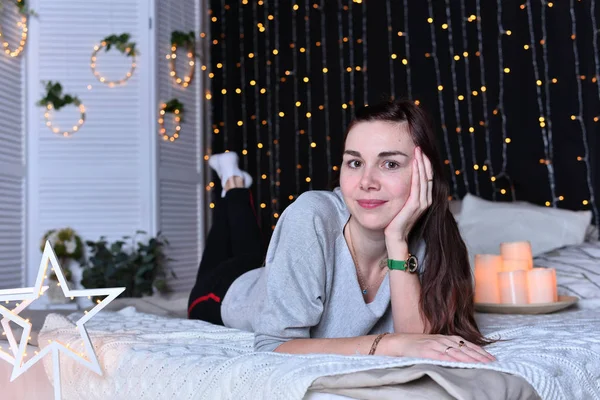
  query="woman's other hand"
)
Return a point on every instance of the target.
[{"x": 436, "y": 347}]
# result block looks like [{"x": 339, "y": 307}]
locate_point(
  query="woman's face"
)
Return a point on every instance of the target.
[{"x": 376, "y": 172}]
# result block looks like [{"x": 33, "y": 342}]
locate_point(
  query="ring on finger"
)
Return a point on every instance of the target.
[
  {"x": 448, "y": 349},
  {"x": 461, "y": 344}
]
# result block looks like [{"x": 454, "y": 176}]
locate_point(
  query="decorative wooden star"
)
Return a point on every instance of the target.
[{"x": 27, "y": 296}]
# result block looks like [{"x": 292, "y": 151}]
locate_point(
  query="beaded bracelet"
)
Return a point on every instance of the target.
[{"x": 376, "y": 342}]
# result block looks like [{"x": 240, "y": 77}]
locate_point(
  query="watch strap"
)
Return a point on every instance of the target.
[{"x": 409, "y": 265}]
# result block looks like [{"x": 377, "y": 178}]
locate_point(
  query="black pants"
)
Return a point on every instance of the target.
[{"x": 234, "y": 246}]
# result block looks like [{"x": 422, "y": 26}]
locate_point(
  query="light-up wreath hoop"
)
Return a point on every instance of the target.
[
  {"x": 175, "y": 107},
  {"x": 54, "y": 100},
  {"x": 122, "y": 44},
  {"x": 22, "y": 24},
  {"x": 188, "y": 41}
]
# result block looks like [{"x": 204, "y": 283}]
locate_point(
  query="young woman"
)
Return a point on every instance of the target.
[{"x": 377, "y": 266}]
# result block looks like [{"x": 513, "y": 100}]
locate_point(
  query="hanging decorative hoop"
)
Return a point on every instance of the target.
[
  {"x": 56, "y": 129},
  {"x": 54, "y": 100},
  {"x": 175, "y": 107},
  {"x": 188, "y": 41},
  {"x": 20, "y": 4},
  {"x": 122, "y": 44}
]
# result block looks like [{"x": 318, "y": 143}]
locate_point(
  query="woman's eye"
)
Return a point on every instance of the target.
[
  {"x": 353, "y": 163},
  {"x": 391, "y": 165}
]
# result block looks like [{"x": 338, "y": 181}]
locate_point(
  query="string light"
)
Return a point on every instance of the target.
[
  {"x": 406, "y": 50},
  {"x": 465, "y": 91},
  {"x": 244, "y": 108},
  {"x": 103, "y": 79},
  {"x": 342, "y": 60},
  {"x": 191, "y": 55},
  {"x": 326, "y": 79},
  {"x": 224, "y": 108},
  {"x": 274, "y": 160},
  {"x": 463, "y": 34},
  {"x": 463, "y": 160},
  {"x": 440, "y": 97},
  {"x": 255, "y": 82},
  {"x": 296, "y": 89},
  {"x": 308, "y": 90},
  {"x": 350, "y": 68},
  {"x": 56, "y": 129},
  {"x": 596, "y": 80},
  {"x": 388, "y": 8},
  {"x": 500, "y": 104},
  {"x": 579, "y": 118},
  {"x": 24, "y": 30},
  {"x": 171, "y": 107},
  {"x": 546, "y": 130},
  {"x": 276, "y": 100}
]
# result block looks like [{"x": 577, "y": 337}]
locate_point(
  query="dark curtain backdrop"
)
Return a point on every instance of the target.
[{"x": 512, "y": 86}]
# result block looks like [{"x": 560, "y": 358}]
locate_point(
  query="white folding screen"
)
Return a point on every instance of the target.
[
  {"x": 115, "y": 175},
  {"x": 12, "y": 144},
  {"x": 100, "y": 181},
  {"x": 180, "y": 163}
]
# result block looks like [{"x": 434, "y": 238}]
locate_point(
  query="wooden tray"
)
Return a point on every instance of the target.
[{"x": 541, "y": 308}]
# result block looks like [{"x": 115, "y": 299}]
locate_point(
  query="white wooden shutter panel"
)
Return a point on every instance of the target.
[
  {"x": 99, "y": 180},
  {"x": 180, "y": 184},
  {"x": 12, "y": 170}
]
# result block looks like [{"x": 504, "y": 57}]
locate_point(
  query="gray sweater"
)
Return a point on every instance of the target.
[{"x": 309, "y": 287}]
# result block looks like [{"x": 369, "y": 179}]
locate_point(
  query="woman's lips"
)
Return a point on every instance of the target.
[{"x": 370, "y": 204}]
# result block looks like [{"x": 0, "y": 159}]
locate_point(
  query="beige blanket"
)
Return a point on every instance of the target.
[{"x": 425, "y": 381}]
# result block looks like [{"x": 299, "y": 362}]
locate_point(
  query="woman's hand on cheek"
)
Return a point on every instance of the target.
[{"x": 419, "y": 199}]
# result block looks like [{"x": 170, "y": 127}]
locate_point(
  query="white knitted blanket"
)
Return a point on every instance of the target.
[{"x": 150, "y": 357}]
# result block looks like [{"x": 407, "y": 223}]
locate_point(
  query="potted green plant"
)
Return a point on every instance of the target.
[
  {"x": 139, "y": 266},
  {"x": 68, "y": 247}
]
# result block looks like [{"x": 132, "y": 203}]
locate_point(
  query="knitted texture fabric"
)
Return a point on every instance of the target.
[{"x": 145, "y": 356}]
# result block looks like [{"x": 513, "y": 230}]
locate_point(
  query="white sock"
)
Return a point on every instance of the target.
[{"x": 226, "y": 166}]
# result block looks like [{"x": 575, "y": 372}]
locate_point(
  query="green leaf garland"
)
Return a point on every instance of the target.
[
  {"x": 172, "y": 105},
  {"x": 121, "y": 43},
  {"x": 54, "y": 97}
]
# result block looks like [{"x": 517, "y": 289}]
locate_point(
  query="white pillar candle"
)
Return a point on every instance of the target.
[
  {"x": 541, "y": 285},
  {"x": 513, "y": 287},
  {"x": 516, "y": 265},
  {"x": 517, "y": 251},
  {"x": 487, "y": 267}
]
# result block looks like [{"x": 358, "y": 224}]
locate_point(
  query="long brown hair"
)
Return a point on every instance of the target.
[{"x": 447, "y": 292}]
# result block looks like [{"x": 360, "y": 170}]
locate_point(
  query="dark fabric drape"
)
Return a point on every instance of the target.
[{"x": 288, "y": 120}]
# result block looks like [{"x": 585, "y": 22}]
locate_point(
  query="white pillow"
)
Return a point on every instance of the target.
[
  {"x": 485, "y": 224},
  {"x": 455, "y": 207}
]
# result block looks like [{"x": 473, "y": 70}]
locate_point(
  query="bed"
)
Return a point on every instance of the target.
[{"x": 145, "y": 356}]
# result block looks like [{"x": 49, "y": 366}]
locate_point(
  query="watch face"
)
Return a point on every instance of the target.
[{"x": 412, "y": 264}]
